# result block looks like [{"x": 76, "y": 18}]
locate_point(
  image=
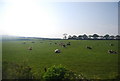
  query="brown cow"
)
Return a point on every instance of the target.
[{"x": 30, "y": 48}]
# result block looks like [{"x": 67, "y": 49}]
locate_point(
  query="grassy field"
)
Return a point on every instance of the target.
[{"x": 94, "y": 63}]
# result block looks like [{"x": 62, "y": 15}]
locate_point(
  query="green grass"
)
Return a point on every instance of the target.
[{"x": 95, "y": 63}]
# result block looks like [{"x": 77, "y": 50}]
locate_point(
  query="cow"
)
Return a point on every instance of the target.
[
  {"x": 57, "y": 51},
  {"x": 68, "y": 43},
  {"x": 33, "y": 42},
  {"x": 24, "y": 42},
  {"x": 112, "y": 52},
  {"x": 88, "y": 47},
  {"x": 30, "y": 48},
  {"x": 62, "y": 44},
  {"x": 111, "y": 44}
]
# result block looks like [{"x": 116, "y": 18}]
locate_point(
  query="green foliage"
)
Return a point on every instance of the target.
[
  {"x": 60, "y": 73},
  {"x": 16, "y": 71}
]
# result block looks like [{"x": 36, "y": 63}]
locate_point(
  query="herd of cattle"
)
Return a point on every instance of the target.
[{"x": 64, "y": 45}]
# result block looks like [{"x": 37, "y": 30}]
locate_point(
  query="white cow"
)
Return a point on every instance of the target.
[{"x": 57, "y": 51}]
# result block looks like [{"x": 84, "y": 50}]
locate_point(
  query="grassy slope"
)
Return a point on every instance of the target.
[{"x": 92, "y": 63}]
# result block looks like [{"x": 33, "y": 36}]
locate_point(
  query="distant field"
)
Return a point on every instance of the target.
[{"x": 91, "y": 63}]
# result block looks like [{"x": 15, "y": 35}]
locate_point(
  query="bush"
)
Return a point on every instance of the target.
[
  {"x": 54, "y": 73},
  {"x": 60, "y": 73},
  {"x": 16, "y": 71}
]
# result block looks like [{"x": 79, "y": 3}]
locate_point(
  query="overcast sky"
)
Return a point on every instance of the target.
[{"x": 53, "y": 19}]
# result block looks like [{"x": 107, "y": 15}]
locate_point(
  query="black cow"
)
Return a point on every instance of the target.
[
  {"x": 64, "y": 45},
  {"x": 68, "y": 43},
  {"x": 111, "y": 44},
  {"x": 112, "y": 52},
  {"x": 33, "y": 42},
  {"x": 88, "y": 47}
]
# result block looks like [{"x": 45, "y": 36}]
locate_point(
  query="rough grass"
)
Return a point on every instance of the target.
[{"x": 93, "y": 64}]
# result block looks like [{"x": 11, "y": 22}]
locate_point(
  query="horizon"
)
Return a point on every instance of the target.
[
  {"x": 53, "y": 19},
  {"x": 53, "y": 37}
]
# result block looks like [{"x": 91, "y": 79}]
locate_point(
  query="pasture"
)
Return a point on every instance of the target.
[{"x": 92, "y": 63}]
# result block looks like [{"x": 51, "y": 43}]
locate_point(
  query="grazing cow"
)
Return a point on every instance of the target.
[
  {"x": 57, "y": 51},
  {"x": 112, "y": 52},
  {"x": 30, "y": 48},
  {"x": 33, "y": 42},
  {"x": 111, "y": 44},
  {"x": 59, "y": 44},
  {"x": 64, "y": 45},
  {"x": 68, "y": 43},
  {"x": 88, "y": 47},
  {"x": 24, "y": 42}
]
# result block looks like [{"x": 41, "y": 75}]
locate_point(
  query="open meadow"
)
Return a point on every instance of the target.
[{"x": 92, "y": 63}]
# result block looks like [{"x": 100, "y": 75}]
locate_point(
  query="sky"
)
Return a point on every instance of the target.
[{"x": 53, "y": 19}]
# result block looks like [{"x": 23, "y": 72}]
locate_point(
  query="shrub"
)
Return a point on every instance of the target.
[
  {"x": 16, "y": 71},
  {"x": 60, "y": 73}
]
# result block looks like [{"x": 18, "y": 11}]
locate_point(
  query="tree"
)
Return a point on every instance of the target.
[
  {"x": 85, "y": 36},
  {"x": 101, "y": 37},
  {"x": 106, "y": 36},
  {"x": 80, "y": 37},
  {"x": 65, "y": 36},
  {"x": 112, "y": 37},
  {"x": 95, "y": 36},
  {"x": 117, "y": 36},
  {"x": 69, "y": 37},
  {"x": 74, "y": 37},
  {"x": 90, "y": 36}
]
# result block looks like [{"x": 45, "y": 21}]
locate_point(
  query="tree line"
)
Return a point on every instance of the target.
[{"x": 93, "y": 37}]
